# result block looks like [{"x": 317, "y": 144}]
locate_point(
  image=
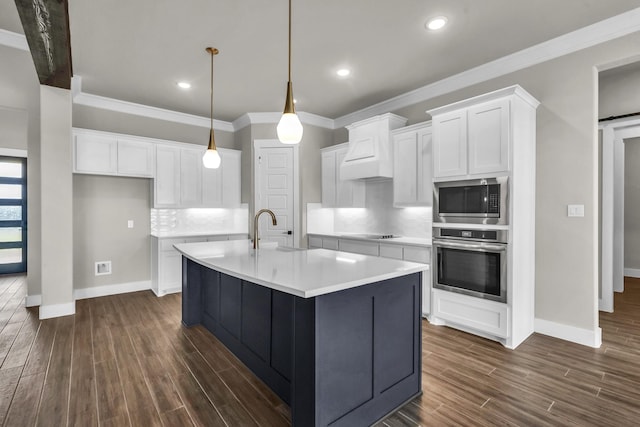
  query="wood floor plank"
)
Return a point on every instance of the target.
[
  {"x": 23, "y": 409},
  {"x": 83, "y": 405},
  {"x": 8, "y": 382},
  {"x": 202, "y": 412},
  {"x": 54, "y": 404},
  {"x": 111, "y": 402},
  {"x": 262, "y": 410},
  {"x": 38, "y": 359},
  {"x": 161, "y": 387},
  {"x": 232, "y": 411},
  {"x": 17, "y": 355},
  {"x": 177, "y": 418}
]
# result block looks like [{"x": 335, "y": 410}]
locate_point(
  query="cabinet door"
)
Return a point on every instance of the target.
[
  {"x": 364, "y": 248},
  {"x": 489, "y": 137},
  {"x": 135, "y": 158},
  {"x": 191, "y": 177},
  {"x": 167, "y": 182},
  {"x": 231, "y": 175},
  {"x": 328, "y": 164},
  {"x": 424, "y": 173},
  {"x": 450, "y": 144},
  {"x": 405, "y": 169},
  {"x": 349, "y": 193},
  {"x": 95, "y": 154}
]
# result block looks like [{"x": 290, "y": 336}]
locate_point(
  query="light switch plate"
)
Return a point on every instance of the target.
[
  {"x": 130, "y": 223},
  {"x": 575, "y": 210}
]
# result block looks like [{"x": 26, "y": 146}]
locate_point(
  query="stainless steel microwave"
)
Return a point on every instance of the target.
[{"x": 472, "y": 201}]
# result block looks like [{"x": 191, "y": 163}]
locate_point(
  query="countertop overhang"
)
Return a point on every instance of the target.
[{"x": 304, "y": 273}]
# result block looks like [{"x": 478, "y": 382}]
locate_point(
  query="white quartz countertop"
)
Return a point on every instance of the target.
[
  {"x": 415, "y": 241},
  {"x": 302, "y": 272},
  {"x": 179, "y": 234}
]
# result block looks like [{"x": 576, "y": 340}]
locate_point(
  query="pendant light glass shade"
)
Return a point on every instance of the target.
[
  {"x": 211, "y": 158},
  {"x": 289, "y": 128}
]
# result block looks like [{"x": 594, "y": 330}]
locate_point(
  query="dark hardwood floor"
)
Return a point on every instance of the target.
[{"x": 125, "y": 360}]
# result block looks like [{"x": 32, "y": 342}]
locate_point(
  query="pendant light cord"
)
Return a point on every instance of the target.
[
  {"x": 212, "y": 90},
  {"x": 289, "y": 40}
]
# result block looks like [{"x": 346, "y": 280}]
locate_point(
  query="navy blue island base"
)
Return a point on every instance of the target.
[{"x": 347, "y": 358}]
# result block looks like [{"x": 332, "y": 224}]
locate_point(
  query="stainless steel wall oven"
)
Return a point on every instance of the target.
[{"x": 471, "y": 262}]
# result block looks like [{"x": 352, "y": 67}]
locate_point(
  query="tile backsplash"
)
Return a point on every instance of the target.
[
  {"x": 198, "y": 220},
  {"x": 377, "y": 217}
]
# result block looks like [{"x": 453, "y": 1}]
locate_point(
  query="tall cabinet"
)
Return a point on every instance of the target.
[{"x": 488, "y": 136}]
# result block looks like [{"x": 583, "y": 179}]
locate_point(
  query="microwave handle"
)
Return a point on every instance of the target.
[{"x": 471, "y": 246}]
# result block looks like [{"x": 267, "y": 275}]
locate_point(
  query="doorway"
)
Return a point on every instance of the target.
[
  {"x": 276, "y": 188},
  {"x": 614, "y": 135},
  {"x": 13, "y": 215}
]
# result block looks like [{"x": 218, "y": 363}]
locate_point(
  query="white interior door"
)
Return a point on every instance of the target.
[{"x": 275, "y": 191}]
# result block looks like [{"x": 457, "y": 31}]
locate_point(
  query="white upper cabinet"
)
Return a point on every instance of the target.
[
  {"x": 180, "y": 179},
  {"x": 167, "y": 182},
  {"x": 103, "y": 153},
  {"x": 191, "y": 177},
  {"x": 472, "y": 141},
  {"x": 337, "y": 192},
  {"x": 136, "y": 158},
  {"x": 231, "y": 169},
  {"x": 489, "y": 137},
  {"x": 450, "y": 144},
  {"x": 95, "y": 153},
  {"x": 183, "y": 182},
  {"x": 412, "y": 178}
]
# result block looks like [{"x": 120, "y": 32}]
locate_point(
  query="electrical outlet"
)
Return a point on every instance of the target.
[
  {"x": 103, "y": 268},
  {"x": 130, "y": 223},
  {"x": 575, "y": 210}
]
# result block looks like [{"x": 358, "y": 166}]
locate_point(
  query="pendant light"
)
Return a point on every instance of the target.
[
  {"x": 289, "y": 128},
  {"x": 211, "y": 158}
]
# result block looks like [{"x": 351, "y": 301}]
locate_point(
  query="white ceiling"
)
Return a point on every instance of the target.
[{"x": 137, "y": 50}]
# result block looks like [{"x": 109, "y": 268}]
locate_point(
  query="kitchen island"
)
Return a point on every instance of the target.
[{"x": 336, "y": 335}]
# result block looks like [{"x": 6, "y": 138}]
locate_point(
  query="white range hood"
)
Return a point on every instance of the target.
[{"x": 370, "y": 152}]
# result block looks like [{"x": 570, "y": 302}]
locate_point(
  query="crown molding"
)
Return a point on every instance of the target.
[
  {"x": 600, "y": 32},
  {"x": 273, "y": 118},
  {"x": 126, "y": 107},
  {"x": 14, "y": 40}
]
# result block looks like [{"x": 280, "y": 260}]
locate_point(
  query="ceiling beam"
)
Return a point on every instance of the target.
[{"x": 46, "y": 26}]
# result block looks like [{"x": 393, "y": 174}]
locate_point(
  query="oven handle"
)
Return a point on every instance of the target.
[{"x": 476, "y": 246}]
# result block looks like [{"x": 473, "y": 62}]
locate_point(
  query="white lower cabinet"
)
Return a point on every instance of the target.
[
  {"x": 364, "y": 248},
  {"x": 166, "y": 261},
  {"x": 419, "y": 254},
  {"x": 473, "y": 313}
]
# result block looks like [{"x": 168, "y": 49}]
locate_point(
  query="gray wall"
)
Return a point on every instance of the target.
[
  {"x": 619, "y": 91},
  {"x": 102, "y": 205},
  {"x": 632, "y": 204}
]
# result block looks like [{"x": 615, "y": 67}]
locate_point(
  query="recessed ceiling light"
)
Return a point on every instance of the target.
[
  {"x": 436, "y": 23},
  {"x": 343, "y": 72},
  {"x": 184, "y": 85}
]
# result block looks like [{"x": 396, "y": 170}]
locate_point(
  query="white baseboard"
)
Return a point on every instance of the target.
[
  {"x": 569, "y": 333},
  {"x": 32, "y": 300},
  {"x": 632, "y": 272},
  {"x": 102, "y": 291},
  {"x": 57, "y": 310}
]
